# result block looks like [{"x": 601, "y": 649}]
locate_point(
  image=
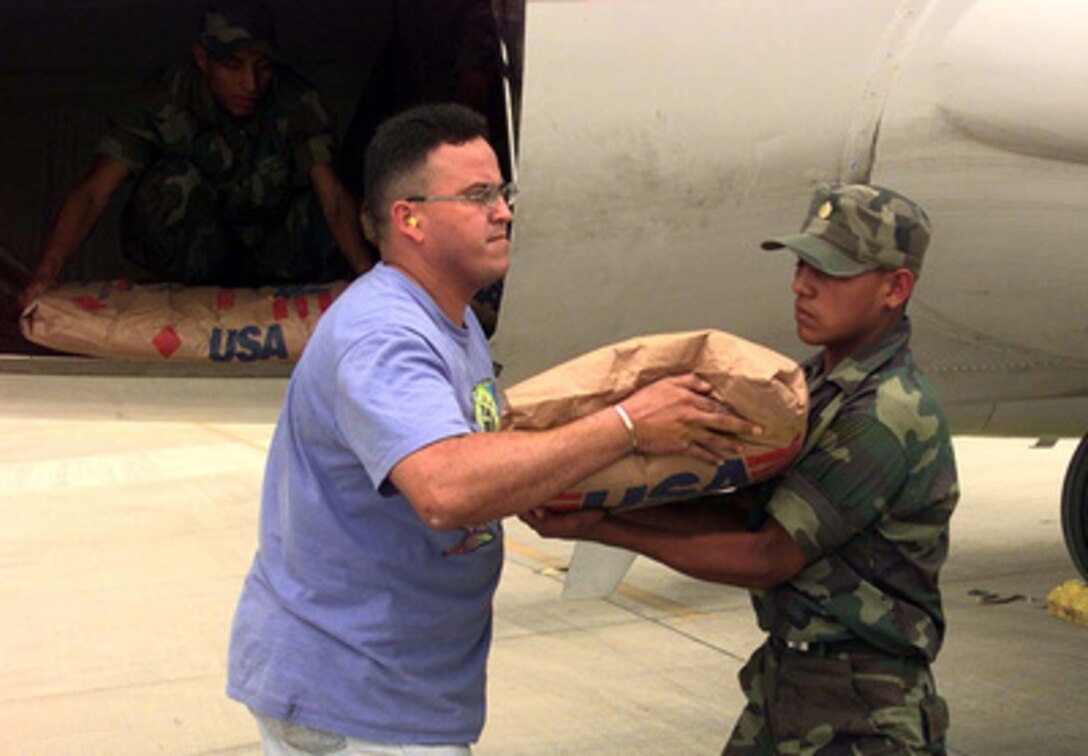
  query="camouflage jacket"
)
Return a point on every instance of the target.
[
  {"x": 252, "y": 166},
  {"x": 868, "y": 503}
]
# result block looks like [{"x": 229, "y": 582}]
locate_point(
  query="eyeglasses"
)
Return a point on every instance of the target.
[{"x": 486, "y": 195}]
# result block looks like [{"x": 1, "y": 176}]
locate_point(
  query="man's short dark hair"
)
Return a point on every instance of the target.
[{"x": 401, "y": 145}]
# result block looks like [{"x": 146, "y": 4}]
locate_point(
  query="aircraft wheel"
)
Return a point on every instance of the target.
[{"x": 1075, "y": 508}]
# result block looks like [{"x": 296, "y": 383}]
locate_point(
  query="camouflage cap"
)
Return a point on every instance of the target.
[
  {"x": 228, "y": 26},
  {"x": 853, "y": 228}
]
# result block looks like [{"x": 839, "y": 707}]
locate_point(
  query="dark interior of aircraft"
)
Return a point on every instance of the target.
[{"x": 66, "y": 64}]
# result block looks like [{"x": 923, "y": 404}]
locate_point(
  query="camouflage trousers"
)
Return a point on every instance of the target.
[
  {"x": 175, "y": 227},
  {"x": 804, "y": 703}
]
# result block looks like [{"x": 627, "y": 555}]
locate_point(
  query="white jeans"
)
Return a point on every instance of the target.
[{"x": 279, "y": 738}]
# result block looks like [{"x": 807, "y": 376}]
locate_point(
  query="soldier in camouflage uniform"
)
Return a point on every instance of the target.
[
  {"x": 842, "y": 553},
  {"x": 232, "y": 155}
]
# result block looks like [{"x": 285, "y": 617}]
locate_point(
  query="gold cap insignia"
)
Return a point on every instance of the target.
[{"x": 825, "y": 211}]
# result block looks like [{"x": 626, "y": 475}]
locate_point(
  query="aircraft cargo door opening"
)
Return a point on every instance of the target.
[{"x": 182, "y": 187}]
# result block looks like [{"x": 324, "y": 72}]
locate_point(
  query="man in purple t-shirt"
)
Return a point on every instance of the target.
[{"x": 365, "y": 620}]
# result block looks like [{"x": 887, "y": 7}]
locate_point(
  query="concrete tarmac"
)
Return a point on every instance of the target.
[{"x": 125, "y": 544}]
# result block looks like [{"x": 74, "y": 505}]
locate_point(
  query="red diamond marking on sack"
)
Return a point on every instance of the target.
[
  {"x": 224, "y": 300},
  {"x": 167, "y": 342},
  {"x": 565, "y": 502},
  {"x": 302, "y": 307},
  {"x": 89, "y": 303},
  {"x": 279, "y": 308}
]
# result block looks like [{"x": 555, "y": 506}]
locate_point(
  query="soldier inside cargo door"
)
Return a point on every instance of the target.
[{"x": 232, "y": 156}]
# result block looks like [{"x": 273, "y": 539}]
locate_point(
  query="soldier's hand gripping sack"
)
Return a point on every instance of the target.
[{"x": 758, "y": 383}]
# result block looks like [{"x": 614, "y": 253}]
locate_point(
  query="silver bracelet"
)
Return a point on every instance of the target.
[{"x": 628, "y": 425}]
